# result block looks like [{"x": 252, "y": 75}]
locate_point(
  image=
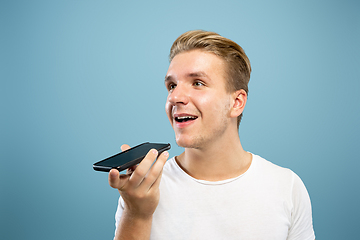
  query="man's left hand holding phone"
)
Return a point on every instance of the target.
[{"x": 139, "y": 188}]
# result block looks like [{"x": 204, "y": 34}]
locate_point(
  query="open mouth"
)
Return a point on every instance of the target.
[{"x": 185, "y": 119}]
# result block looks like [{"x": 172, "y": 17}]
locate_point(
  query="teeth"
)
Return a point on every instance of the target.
[{"x": 186, "y": 117}]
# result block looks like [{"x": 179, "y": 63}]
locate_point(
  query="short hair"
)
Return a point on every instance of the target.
[{"x": 238, "y": 64}]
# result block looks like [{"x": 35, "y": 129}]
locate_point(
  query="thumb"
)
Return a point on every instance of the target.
[
  {"x": 117, "y": 180},
  {"x": 114, "y": 178}
]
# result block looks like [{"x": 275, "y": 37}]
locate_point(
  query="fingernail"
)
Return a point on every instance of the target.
[
  {"x": 166, "y": 154},
  {"x": 154, "y": 151}
]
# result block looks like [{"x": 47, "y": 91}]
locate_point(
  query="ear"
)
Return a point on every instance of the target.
[{"x": 239, "y": 99}]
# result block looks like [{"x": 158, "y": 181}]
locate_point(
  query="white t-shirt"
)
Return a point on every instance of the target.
[{"x": 266, "y": 202}]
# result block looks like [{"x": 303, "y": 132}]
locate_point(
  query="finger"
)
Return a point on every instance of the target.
[
  {"x": 159, "y": 164},
  {"x": 125, "y": 147},
  {"x": 156, "y": 184},
  {"x": 153, "y": 177},
  {"x": 142, "y": 169},
  {"x": 117, "y": 180},
  {"x": 131, "y": 169}
]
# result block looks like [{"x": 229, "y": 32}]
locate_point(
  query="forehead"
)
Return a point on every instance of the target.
[{"x": 196, "y": 62}]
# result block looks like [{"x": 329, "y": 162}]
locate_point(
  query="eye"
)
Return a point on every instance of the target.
[
  {"x": 171, "y": 86},
  {"x": 198, "y": 83}
]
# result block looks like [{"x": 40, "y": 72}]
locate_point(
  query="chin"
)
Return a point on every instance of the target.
[
  {"x": 189, "y": 143},
  {"x": 180, "y": 142}
]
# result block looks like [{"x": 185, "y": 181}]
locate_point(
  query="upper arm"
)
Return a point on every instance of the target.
[{"x": 301, "y": 214}]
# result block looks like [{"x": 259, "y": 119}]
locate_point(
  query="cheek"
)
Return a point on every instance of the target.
[
  {"x": 209, "y": 103},
  {"x": 214, "y": 106},
  {"x": 168, "y": 110},
  {"x": 203, "y": 99}
]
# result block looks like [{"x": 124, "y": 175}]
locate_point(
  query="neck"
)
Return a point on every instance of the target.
[{"x": 217, "y": 161}]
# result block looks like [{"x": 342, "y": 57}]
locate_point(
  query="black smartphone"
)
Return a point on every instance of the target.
[{"x": 130, "y": 157}]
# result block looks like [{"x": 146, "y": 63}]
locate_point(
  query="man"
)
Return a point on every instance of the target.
[{"x": 214, "y": 189}]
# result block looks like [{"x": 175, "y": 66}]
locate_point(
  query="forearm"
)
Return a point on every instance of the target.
[
  {"x": 131, "y": 227},
  {"x": 140, "y": 192}
]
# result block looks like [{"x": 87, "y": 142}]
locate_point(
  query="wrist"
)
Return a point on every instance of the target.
[
  {"x": 137, "y": 216},
  {"x": 134, "y": 227}
]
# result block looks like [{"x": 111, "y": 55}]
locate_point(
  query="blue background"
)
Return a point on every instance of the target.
[{"x": 80, "y": 78}]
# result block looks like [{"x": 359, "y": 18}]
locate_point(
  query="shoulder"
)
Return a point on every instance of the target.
[
  {"x": 287, "y": 182},
  {"x": 267, "y": 168},
  {"x": 281, "y": 178}
]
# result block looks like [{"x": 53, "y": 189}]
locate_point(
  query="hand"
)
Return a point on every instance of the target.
[{"x": 139, "y": 187}]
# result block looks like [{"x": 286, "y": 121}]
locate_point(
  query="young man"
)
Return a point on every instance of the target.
[{"x": 214, "y": 189}]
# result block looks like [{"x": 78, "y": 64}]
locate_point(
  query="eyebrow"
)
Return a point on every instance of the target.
[
  {"x": 192, "y": 75},
  {"x": 168, "y": 78},
  {"x": 198, "y": 74}
]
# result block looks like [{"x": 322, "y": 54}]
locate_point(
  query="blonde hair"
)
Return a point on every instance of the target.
[{"x": 238, "y": 64}]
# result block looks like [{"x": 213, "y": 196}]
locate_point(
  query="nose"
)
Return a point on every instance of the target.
[{"x": 179, "y": 95}]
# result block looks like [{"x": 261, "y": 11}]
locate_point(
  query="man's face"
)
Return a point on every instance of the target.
[{"x": 198, "y": 104}]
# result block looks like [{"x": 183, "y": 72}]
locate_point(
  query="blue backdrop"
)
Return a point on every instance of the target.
[{"x": 80, "y": 78}]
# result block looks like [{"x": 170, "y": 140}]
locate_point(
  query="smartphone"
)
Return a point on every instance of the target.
[{"x": 130, "y": 157}]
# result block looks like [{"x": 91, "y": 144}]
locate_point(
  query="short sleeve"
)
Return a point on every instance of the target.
[{"x": 301, "y": 215}]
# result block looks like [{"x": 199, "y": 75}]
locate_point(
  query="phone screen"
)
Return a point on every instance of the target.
[{"x": 130, "y": 157}]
